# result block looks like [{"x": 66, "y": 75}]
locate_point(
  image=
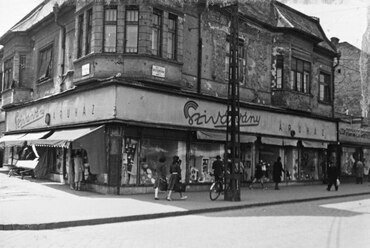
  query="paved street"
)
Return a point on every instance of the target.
[{"x": 330, "y": 223}]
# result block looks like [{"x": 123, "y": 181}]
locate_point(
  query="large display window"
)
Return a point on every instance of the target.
[
  {"x": 269, "y": 154},
  {"x": 202, "y": 156},
  {"x": 347, "y": 160},
  {"x": 308, "y": 169},
  {"x": 152, "y": 149}
]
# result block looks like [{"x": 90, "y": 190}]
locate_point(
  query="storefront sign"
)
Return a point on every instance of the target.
[
  {"x": 84, "y": 107},
  {"x": 152, "y": 107},
  {"x": 347, "y": 133}
]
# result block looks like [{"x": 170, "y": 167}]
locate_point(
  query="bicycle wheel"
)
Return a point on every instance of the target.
[{"x": 215, "y": 191}]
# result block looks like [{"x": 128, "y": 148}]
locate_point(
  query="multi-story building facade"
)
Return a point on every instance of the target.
[
  {"x": 351, "y": 105},
  {"x": 131, "y": 81}
]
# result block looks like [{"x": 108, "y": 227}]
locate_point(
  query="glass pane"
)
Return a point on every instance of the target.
[
  {"x": 294, "y": 64},
  {"x": 155, "y": 48},
  {"x": 321, "y": 92},
  {"x": 300, "y": 65},
  {"x": 279, "y": 78},
  {"x": 170, "y": 46},
  {"x": 132, "y": 15},
  {"x": 110, "y": 38},
  {"x": 111, "y": 15},
  {"x": 202, "y": 156},
  {"x": 129, "y": 162},
  {"x": 306, "y": 81},
  {"x": 299, "y": 81},
  {"x": 292, "y": 80},
  {"x": 131, "y": 40},
  {"x": 227, "y": 67},
  {"x": 307, "y": 66}
]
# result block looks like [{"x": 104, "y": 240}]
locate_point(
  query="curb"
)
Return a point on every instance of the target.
[{"x": 75, "y": 223}]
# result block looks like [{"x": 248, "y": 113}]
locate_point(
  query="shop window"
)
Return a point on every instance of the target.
[
  {"x": 172, "y": 37},
  {"x": 241, "y": 66},
  {"x": 88, "y": 31},
  {"x": 45, "y": 63},
  {"x": 80, "y": 35},
  {"x": 308, "y": 169},
  {"x": 300, "y": 75},
  {"x": 202, "y": 156},
  {"x": 324, "y": 87},
  {"x": 1, "y": 81},
  {"x": 132, "y": 29},
  {"x": 347, "y": 161},
  {"x": 157, "y": 33},
  {"x": 8, "y": 74},
  {"x": 152, "y": 150},
  {"x": 129, "y": 162},
  {"x": 110, "y": 29},
  {"x": 22, "y": 69}
]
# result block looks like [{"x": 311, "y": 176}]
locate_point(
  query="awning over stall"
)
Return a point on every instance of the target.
[
  {"x": 218, "y": 136},
  {"x": 290, "y": 142},
  {"x": 92, "y": 139},
  {"x": 19, "y": 139},
  {"x": 272, "y": 141},
  {"x": 314, "y": 144}
]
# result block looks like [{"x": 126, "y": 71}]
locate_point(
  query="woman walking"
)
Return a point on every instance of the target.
[{"x": 175, "y": 171}]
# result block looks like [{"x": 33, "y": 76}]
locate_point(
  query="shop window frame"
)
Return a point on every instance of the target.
[
  {"x": 45, "y": 65},
  {"x": 300, "y": 75}
]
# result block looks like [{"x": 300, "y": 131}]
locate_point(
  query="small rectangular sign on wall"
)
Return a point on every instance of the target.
[
  {"x": 158, "y": 71},
  {"x": 85, "y": 70}
]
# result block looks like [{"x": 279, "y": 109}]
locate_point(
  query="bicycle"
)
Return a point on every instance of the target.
[{"x": 217, "y": 187}]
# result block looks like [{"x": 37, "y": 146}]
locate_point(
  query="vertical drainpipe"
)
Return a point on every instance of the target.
[
  {"x": 63, "y": 42},
  {"x": 200, "y": 45}
]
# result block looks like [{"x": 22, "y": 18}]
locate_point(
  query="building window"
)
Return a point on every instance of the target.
[
  {"x": 88, "y": 31},
  {"x": 300, "y": 75},
  {"x": 324, "y": 87},
  {"x": 8, "y": 74},
  {"x": 22, "y": 69},
  {"x": 279, "y": 71},
  {"x": 132, "y": 30},
  {"x": 110, "y": 29},
  {"x": 80, "y": 35},
  {"x": 45, "y": 63},
  {"x": 241, "y": 61},
  {"x": 172, "y": 37},
  {"x": 157, "y": 33}
]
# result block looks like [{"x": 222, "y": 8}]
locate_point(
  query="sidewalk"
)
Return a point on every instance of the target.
[{"x": 32, "y": 204}]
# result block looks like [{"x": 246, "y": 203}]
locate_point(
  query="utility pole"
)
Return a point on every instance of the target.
[{"x": 232, "y": 146}]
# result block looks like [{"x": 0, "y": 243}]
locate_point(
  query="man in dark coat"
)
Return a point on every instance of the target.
[
  {"x": 332, "y": 176},
  {"x": 276, "y": 173}
]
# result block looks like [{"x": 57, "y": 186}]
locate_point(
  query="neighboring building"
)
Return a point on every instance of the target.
[
  {"x": 350, "y": 106},
  {"x": 131, "y": 81}
]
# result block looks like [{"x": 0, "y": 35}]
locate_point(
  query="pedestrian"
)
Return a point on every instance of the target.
[
  {"x": 258, "y": 176},
  {"x": 78, "y": 169},
  {"x": 366, "y": 170},
  {"x": 218, "y": 168},
  {"x": 359, "y": 172},
  {"x": 333, "y": 176},
  {"x": 276, "y": 172},
  {"x": 175, "y": 178},
  {"x": 160, "y": 174}
]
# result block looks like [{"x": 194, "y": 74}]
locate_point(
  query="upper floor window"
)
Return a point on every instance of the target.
[
  {"x": 88, "y": 31},
  {"x": 241, "y": 62},
  {"x": 110, "y": 29},
  {"x": 132, "y": 29},
  {"x": 324, "y": 87},
  {"x": 45, "y": 63},
  {"x": 279, "y": 71},
  {"x": 80, "y": 35},
  {"x": 172, "y": 37},
  {"x": 300, "y": 75},
  {"x": 8, "y": 74},
  {"x": 22, "y": 69},
  {"x": 157, "y": 33}
]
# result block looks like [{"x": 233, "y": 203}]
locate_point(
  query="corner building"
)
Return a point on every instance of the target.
[{"x": 129, "y": 81}]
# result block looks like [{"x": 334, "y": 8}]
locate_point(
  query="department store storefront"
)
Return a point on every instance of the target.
[
  {"x": 354, "y": 145},
  {"x": 138, "y": 126}
]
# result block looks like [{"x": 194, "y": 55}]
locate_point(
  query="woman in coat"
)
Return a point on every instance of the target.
[
  {"x": 160, "y": 176},
  {"x": 276, "y": 172},
  {"x": 175, "y": 171}
]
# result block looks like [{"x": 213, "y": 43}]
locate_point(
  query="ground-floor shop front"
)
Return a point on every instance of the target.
[{"x": 122, "y": 138}]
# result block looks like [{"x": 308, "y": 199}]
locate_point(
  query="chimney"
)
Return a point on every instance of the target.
[{"x": 335, "y": 41}]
